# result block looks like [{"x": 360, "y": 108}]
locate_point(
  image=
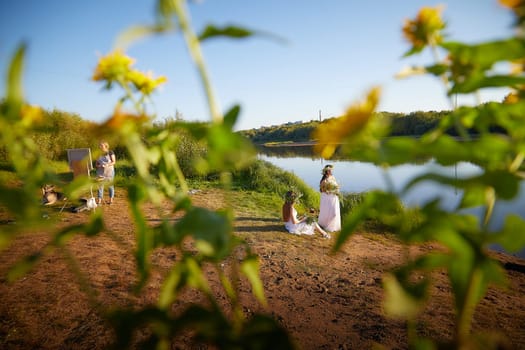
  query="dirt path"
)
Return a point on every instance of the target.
[{"x": 325, "y": 301}]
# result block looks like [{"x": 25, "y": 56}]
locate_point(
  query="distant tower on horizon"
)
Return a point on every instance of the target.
[{"x": 320, "y": 115}]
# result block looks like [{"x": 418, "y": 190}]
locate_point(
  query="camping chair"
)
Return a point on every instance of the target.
[{"x": 80, "y": 163}]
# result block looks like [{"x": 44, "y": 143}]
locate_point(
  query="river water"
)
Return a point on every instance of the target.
[{"x": 359, "y": 177}]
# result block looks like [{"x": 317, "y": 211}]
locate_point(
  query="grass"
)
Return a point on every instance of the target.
[
  {"x": 258, "y": 190},
  {"x": 256, "y": 204}
]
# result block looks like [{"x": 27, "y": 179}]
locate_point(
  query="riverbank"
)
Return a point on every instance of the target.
[{"x": 325, "y": 301}]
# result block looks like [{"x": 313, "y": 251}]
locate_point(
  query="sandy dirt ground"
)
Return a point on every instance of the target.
[{"x": 324, "y": 301}]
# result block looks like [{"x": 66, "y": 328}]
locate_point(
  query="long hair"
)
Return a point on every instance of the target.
[
  {"x": 325, "y": 173},
  {"x": 287, "y": 211},
  {"x": 289, "y": 199},
  {"x": 325, "y": 176}
]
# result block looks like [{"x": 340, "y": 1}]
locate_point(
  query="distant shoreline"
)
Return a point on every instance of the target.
[{"x": 288, "y": 144}]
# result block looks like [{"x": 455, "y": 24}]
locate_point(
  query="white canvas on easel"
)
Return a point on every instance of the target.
[{"x": 81, "y": 163}]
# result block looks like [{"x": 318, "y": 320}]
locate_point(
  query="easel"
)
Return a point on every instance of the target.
[{"x": 81, "y": 163}]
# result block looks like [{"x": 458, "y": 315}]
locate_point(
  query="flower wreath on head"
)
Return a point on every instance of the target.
[
  {"x": 292, "y": 196},
  {"x": 326, "y": 168}
]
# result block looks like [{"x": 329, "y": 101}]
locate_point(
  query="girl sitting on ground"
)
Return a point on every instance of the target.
[{"x": 295, "y": 225}]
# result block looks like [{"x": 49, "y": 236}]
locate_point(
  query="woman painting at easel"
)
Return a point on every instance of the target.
[{"x": 105, "y": 165}]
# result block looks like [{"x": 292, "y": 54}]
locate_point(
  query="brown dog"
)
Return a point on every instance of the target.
[{"x": 50, "y": 196}]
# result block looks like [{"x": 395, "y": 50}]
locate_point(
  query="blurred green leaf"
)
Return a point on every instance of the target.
[
  {"x": 165, "y": 10},
  {"x": 135, "y": 33},
  {"x": 486, "y": 54},
  {"x": 472, "y": 64},
  {"x": 208, "y": 325},
  {"x": 212, "y": 31},
  {"x": 172, "y": 284},
  {"x": 473, "y": 197},
  {"x": 213, "y": 228},
  {"x": 95, "y": 225},
  {"x": 476, "y": 82},
  {"x": 127, "y": 322},
  {"x": 263, "y": 332},
  {"x": 165, "y": 234},
  {"x": 145, "y": 240},
  {"x": 431, "y": 261},
  {"x": 437, "y": 69},
  {"x": 413, "y": 50},
  {"x": 14, "y": 91},
  {"x": 23, "y": 267},
  {"x": 196, "y": 277},
  {"x": 493, "y": 273},
  {"x": 441, "y": 226},
  {"x": 398, "y": 150},
  {"x": 460, "y": 270},
  {"x": 398, "y": 302},
  {"x": 185, "y": 273},
  {"x": 505, "y": 184},
  {"x": 227, "y": 150},
  {"x": 21, "y": 204},
  {"x": 511, "y": 237},
  {"x": 182, "y": 202},
  {"x": 350, "y": 224},
  {"x": 250, "y": 268},
  {"x": 382, "y": 206},
  {"x": 235, "y": 32},
  {"x": 230, "y": 118},
  {"x": 92, "y": 228}
]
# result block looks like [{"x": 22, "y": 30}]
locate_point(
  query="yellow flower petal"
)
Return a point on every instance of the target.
[
  {"x": 120, "y": 118},
  {"x": 510, "y": 3},
  {"x": 113, "y": 66},
  {"x": 30, "y": 114},
  {"x": 331, "y": 133},
  {"x": 145, "y": 83},
  {"x": 426, "y": 28}
]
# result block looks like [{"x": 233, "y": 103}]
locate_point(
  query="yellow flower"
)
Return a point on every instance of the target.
[
  {"x": 511, "y": 98},
  {"x": 145, "y": 83},
  {"x": 331, "y": 133},
  {"x": 119, "y": 119},
  {"x": 114, "y": 66},
  {"x": 518, "y": 7},
  {"x": 510, "y": 3},
  {"x": 426, "y": 28},
  {"x": 30, "y": 114}
]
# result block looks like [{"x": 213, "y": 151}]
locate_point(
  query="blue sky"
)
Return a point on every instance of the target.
[{"x": 335, "y": 51}]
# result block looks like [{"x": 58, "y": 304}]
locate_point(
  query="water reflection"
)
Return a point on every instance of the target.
[{"x": 358, "y": 177}]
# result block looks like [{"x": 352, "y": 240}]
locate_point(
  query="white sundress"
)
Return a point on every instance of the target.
[
  {"x": 301, "y": 228},
  {"x": 329, "y": 211}
]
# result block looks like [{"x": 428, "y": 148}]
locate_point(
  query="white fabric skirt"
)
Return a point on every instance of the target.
[
  {"x": 301, "y": 228},
  {"x": 330, "y": 212}
]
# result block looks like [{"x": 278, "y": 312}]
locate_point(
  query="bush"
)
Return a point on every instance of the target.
[{"x": 265, "y": 177}]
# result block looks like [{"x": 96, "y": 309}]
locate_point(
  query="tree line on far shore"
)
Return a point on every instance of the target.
[
  {"x": 411, "y": 124},
  {"x": 59, "y": 131}
]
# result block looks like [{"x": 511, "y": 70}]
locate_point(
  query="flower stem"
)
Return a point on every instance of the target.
[{"x": 195, "y": 51}]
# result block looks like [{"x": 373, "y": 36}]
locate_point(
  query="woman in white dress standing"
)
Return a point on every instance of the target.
[
  {"x": 329, "y": 210},
  {"x": 295, "y": 225}
]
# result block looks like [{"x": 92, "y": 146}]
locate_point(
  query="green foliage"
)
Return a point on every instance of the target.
[
  {"x": 498, "y": 148},
  {"x": 61, "y": 131},
  {"x": 159, "y": 160},
  {"x": 412, "y": 124},
  {"x": 56, "y": 131},
  {"x": 262, "y": 176},
  {"x": 296, "y": 132},
  {"x": 490, "y": 135}
]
